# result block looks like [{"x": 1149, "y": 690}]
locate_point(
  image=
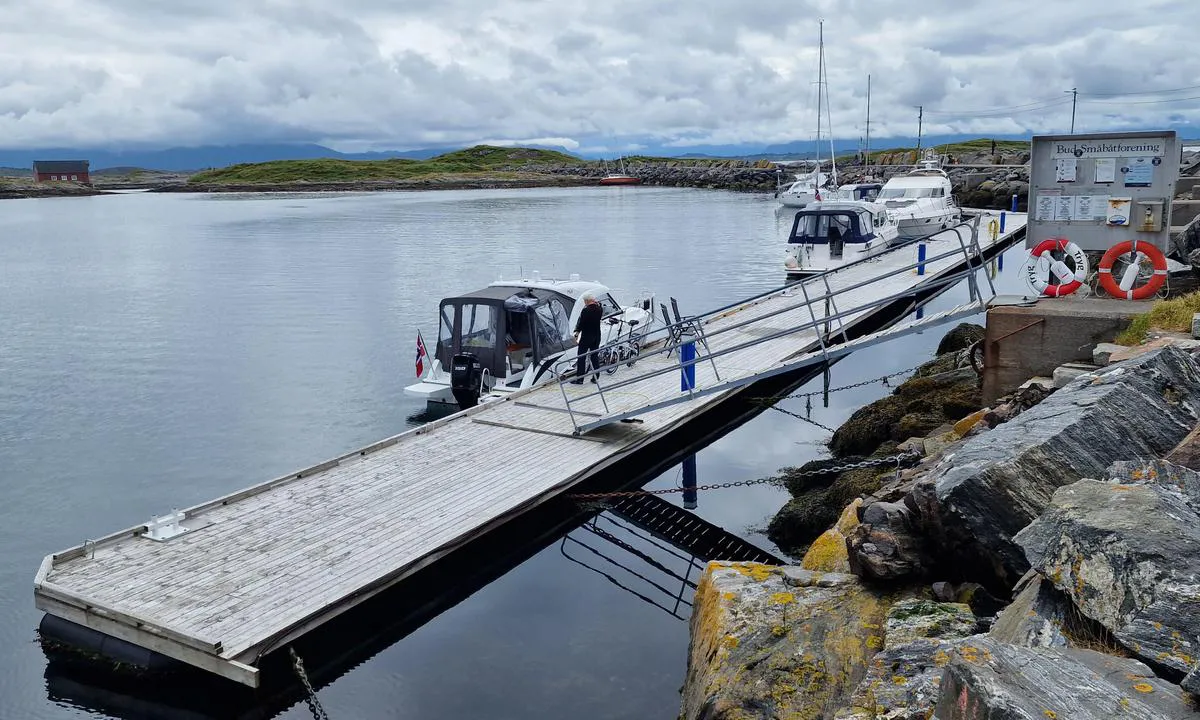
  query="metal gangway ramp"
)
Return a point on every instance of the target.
[{"x": 711, "y": 357}]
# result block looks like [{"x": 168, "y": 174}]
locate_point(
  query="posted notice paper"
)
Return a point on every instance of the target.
[
  {"x": 1044, "y": 207},
  {"x": 1106, "y": 170},
  {"x": 1064, "y": 169}
]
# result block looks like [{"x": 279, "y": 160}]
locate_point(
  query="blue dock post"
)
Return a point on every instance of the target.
[
  {"x": 921, "y": 258},
  {"x": 1014, "y": 202},
  {"x": 687, "y": 353},
  {"x": 1002, "y": 222},
  {"x": 689, "y": 482},
  {"x": 920, "y": 313},
  {"x": 1000, "y": 262}
]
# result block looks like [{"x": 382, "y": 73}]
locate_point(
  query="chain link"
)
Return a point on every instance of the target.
[
  {"x": 808, "y": 420},
  {"x": 881, "y": 379},
  {"x": 310, "y": 696},
  {"x": 869, "y": 462}
]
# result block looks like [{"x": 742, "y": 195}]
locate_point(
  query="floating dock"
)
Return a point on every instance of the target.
[{"x": 225, "y": 583}]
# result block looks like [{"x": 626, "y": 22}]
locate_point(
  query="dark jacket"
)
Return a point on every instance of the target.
[{"x": 588, "y": 324}]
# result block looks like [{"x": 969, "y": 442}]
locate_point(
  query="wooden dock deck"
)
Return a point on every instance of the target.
[{"x": 260, "y": 567}]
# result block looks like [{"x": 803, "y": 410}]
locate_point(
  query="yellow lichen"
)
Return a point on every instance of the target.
[
  {"x": 1143, "y": 687},
  {"x": 941, "y": 658},
  {"x": 755, "y": 571},
  {"x": 1050, "y": 714},
  {"x": 899, "y": 680},
  {"x": 969, "y": 653},
  {"x": 1124, "y": 702},
  {"x": 730, "y": 641},
  {"x": 874, "y": 642},
  {"x": 782, "y": 598},
  {"x": 964, "y": 426},
  {"x": 778, "y": 630},
  {"x": 827, "y": 553}
]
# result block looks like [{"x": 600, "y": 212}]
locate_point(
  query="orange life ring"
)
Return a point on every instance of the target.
[
  {"x": 1139, "y": 249},
  {"x": 1070, "y": 281}
]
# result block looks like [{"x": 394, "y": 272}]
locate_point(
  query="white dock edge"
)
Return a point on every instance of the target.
[{"x": 262, "y": 566}]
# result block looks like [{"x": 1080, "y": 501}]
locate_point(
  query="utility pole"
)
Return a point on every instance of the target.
[
  {"x": 1074, "y": 97},
  {"x": 920, "y": 118}
]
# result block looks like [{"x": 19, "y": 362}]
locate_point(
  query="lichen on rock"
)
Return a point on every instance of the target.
[{"x": 755, "y": 656}]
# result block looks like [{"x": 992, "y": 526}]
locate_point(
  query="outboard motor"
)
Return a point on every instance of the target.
[{"x": 466, "y": 372}]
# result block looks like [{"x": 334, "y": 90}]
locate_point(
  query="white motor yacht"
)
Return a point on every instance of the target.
[
  {"x": 922, "y": 201},
  {"x": 831, "y": 233},
  {"x": 513, "y": 334}
]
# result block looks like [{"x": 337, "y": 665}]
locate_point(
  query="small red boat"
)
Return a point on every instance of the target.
[{"x": 618, "y": 179}]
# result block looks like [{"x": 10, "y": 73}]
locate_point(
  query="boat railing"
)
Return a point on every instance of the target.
[{"x": 828, "y": 310}]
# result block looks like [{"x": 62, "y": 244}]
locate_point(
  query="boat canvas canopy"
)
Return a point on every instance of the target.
[
  {"x": 492, "y": 322},
  {"x": 817, "y": 227}
]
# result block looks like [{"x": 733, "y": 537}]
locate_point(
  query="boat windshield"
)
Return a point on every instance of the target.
[
  {"x": 817, "y": 228},
  {"x": 912, "y": 193},
  {"x": 609, "y": 305}
]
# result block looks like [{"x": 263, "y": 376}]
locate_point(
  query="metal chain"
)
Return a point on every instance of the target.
[
  {"x": 310, "y": 696},
  {"x": 808, "y": 420},
  {"x": 881, "y": 379},
  {"x": 869, "y": 462}
]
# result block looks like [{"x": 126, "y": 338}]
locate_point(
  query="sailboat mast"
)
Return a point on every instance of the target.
[
  {"x": 867, "y": 159},
  {"x": 820, "y": 70},
  {"x": 829, "y": 117}
]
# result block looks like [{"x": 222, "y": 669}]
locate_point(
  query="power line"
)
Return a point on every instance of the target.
[
  {"x": 1141, "y": 102},
  {"x": 1144, "y": 92},
  {"x": 1030, "y": 105}
]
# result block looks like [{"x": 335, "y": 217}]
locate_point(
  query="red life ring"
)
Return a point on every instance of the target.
[
  {"x": 1133, "y": 246},
  {"x": 1070, "y": 281}
]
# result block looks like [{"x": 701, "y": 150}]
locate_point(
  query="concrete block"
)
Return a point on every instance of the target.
[
  {"x": 1045, "y": 382},
  {"x": 1196, "y": 325},
  {"x": 1103, "y": 351},
  {"x": 1064, "y": 374}
]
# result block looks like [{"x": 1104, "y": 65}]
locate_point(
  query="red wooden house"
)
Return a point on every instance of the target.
[{"x": 61, "y": 170}]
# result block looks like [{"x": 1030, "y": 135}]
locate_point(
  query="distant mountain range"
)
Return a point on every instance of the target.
[{"x": 183, "y": 159}]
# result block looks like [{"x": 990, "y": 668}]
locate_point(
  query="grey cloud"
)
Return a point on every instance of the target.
[{"x": 375, "y": 73}]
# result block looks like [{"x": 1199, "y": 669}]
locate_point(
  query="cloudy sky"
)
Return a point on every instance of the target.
[{"x": 395, "y": 74}]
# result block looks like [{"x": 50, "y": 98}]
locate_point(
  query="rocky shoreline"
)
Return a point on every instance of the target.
[
  {"x": 1037, "y": 561},
  {"x": 990, "y": 188}
]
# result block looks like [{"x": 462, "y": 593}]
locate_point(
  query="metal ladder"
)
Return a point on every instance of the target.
[{"x": 827, "y": 310}]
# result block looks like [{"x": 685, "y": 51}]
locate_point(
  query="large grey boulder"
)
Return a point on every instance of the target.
[
  {"x": 1037, "y": 616},
  {"x": 1128, "y": 556},
  {"x": 996, "y": 681},
  {"x": 997, "y": 482}
]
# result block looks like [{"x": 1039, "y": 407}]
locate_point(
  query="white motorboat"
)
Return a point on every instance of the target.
[
  {"x": 514, "y": 334},
  {"x": 922, "y": 201},
  {"x": 831, "y": 233},
  {"x": 808, "y": 187}
]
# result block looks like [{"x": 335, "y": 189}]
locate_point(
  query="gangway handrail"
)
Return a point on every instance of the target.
[
  {"x": 841, "y": 268},
  {"x": 949, "y": 279},
  {"x": 968, "y": 247},
  {"x": 971, "y": 268}
]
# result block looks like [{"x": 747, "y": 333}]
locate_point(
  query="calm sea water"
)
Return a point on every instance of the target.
[{"x": 159, "y": 350}]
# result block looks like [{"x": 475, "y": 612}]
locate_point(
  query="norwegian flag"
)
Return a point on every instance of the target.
[{"x": 421, "y": 355}]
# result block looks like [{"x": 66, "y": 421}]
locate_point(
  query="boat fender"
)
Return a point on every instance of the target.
[
  {"x": 1125, "y": 289},
  {"x": 1041, "y": 263}
]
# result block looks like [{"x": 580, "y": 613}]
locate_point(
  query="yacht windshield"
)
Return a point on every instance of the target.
[{"x": 910, "y": 193}]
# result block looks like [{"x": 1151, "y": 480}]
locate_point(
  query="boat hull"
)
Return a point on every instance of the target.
[
  {"x": 920, "y": 226},
  {"x": 620, "y": 181}
]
